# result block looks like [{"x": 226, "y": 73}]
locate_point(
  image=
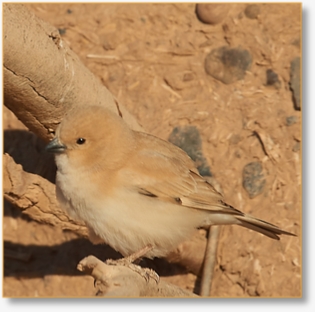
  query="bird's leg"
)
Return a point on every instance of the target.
[
  {"x": 139, "y": 254},
  {"x": 136, "y": 257}
]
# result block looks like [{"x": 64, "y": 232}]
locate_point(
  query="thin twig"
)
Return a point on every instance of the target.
[{"x": 209, "y": 260}]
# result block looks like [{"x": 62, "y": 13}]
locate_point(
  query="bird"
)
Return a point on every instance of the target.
[{"x": 133, "y": 190}]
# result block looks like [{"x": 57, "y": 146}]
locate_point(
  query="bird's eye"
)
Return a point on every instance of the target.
[{"x": 80, "y": 141}]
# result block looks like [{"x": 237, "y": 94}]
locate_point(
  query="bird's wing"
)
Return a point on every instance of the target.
[{"x": 166, "y": 172}]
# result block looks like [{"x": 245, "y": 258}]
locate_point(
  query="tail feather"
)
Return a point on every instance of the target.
[{"x": 262, "y": 227}]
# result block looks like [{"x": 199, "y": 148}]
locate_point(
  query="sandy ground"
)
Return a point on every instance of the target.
[{"x": 151, "y": 57}]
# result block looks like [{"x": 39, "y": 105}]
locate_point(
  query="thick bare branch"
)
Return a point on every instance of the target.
[
  {"x": 121, "y": 281},
  {"x": 36, "y": 197}
]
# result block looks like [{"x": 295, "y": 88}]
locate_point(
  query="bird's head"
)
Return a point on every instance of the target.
[{"x": 89, "y": 137}]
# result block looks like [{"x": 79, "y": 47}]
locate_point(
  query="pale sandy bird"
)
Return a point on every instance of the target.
[{"x": 133, "y": 189}]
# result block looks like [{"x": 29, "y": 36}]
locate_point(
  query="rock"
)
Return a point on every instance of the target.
[
  {"x": 212, "y": 13},
  {"x": 291, "y": 120},
  {"x": 295, "y": 82},
  {"x": 297, "y": 42},
  {"x": 62, "y": 31},
  {"x": 235, "y": 138},
  {"x": 228, "y": 64},
  {"x": 253, "y": 179},
  {"x": 272, "y": 79},
  {"x": 180, "y": 80},
  {"x": 188, "y": 139},
  {"x": 109, "y": 41},
  {"x": 252, "y": 11},
  {"x": 296, "y": 147}
]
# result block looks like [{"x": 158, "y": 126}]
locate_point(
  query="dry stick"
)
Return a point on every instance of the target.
[
  {"x": 210, "y": 260},
  {"x": 211, "y": 250}
]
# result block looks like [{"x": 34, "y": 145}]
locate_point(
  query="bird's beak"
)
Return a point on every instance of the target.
[{"x": 55, "y": 147}]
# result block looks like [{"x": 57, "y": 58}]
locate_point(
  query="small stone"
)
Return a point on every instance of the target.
[
  {"x": 188, "y": 77},
  {"x": 297, "y": 42},
  {"x": 238, "y": 153},
  {"x": 272, "y": 79},
  {"x": 291, "y": 120},
  {"x": 252, "y": 11},
  {"x": 188, "y": 139},
  {"x": 235, "y": 138},
  {"x": 295, "y": 82},
  {"x": 207, "y": 43},
  {"x": 289, "y": 206},
  {"x": 180, "y": 80},
  {"x": 62, "y": 31},
  {"x": 228, "y": 65},
  {"x": 295, "y": 262},
  {"x": 109, "y": 41},
  {"x": 296, "y": 147},
  {"x": 253, "y": 179},
  {"x": 212, "y": 13}
]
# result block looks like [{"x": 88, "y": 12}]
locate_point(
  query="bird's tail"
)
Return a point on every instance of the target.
[{"x": 261, "y": 226}]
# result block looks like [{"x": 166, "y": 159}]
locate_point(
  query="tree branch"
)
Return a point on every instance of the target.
[
  {"x": 36, "y": 197},
  {"x": 121, "y": 281}
]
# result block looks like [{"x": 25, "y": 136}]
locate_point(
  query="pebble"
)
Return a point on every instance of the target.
[
  {"x": 291, "y": 120},
  {"x": 235, "y": 138},
  {"x": 252, "y": 11},
  {"x": 297, "y": 42},
  {"x": 188, "y": 139},
  {"x": 228, "y": 64},
  {"x": 272, "y": 79},
  {"x": 180, "y": 80},
  {"x": 212, "y": 13},
  {"x": 295, "y": 82},
  {"x": 253, "y": 179},
  {"x": 296, "y": 147},
  {"x": 62, "y": 31}
]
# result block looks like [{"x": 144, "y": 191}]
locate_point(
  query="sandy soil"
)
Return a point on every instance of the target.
[{"x": 151, "y": 57}]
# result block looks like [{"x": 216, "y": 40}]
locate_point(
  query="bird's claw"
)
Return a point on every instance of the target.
[{"x": 143, "y": 272}]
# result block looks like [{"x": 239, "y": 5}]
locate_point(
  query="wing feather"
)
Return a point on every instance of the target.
[
  {"x": 164, "y": 172},
  {"x": 157, "y": 173}
]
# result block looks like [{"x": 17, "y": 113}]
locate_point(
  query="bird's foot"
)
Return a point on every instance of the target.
[
  {"x": 144, "y": 272},
  {"x": 128, "y": 262}
]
